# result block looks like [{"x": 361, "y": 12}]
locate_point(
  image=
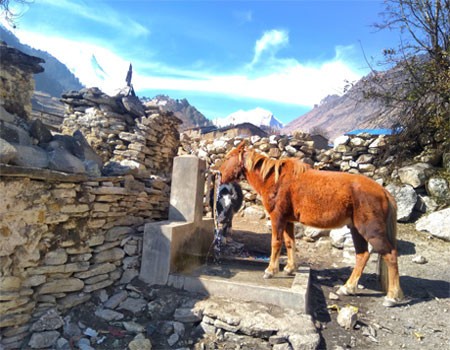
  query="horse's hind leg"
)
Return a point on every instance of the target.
[
  {"x": 289, "y": 242},
  {"x": 362, "y": 256},
  {"x": 278, "y": 227},
  {"x": 394, "y": 293}
]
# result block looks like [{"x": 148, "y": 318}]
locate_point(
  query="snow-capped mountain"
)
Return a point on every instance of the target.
[{"x": 257, "y": 116}]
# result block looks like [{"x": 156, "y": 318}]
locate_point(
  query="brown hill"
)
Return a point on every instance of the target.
[{"x": 336, "y": 115}]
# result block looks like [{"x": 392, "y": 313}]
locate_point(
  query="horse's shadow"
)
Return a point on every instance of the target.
[{"x": 416, "y": 289}]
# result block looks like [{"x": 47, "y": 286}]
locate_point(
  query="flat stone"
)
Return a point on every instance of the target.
[
  {"x": 72, "y": 300},
  {"x": 118, "y": 233},
  {"x": 100, "y": 285},
  {"x": 71, "y": 267},
  {"x": 116, "y": 299},
  {"x": 133, "y": 327},
  {"x": 33, "y": 281},
  {"x": 10, "y": 284},
  {"x": 56, "y": 257},
  {"x": 128, "y": 275},
  {"x": 109, "y": 255},
  {"x": 61, "y": 286},
  {"x": 109, "y": 315},
  {"x": 12, "y": 304},
  {"x": 96, "y": 279},
  {"x": 43, "y": 340},
  {"x": 94, "y": 270},
  {"x": 51, "y": 320},
  {"x": 13, "y": 320},
  {"x": 133, "y": 305}
]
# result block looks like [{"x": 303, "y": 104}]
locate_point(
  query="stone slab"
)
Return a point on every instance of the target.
[{"x": 243, "y": 280}]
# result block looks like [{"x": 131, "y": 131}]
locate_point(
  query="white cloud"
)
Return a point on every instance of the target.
[
  {"x": 280, "y": 80},
  {"x": 99, "y": 14},
  {"x": 78, "y": 57},
  {"x": 270, "y": 42}
]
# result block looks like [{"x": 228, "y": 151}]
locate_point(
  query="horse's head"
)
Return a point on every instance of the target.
[{"x": 233, "y": 165}]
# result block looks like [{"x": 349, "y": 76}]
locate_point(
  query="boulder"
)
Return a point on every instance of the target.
[
  {"x": 437, "y": 224},
  {"x": 40, "y": 132},
  {"x": 438, "y": 187},
  {"x": 415, "y": 175},
  {"x": 14, "y": 134},
  {"x": 61, "y": 159},
  {"x": 7, "y": 151},
  {"x": 30, "y": 156},
  {"x": 133, "y": 106},
  {"x": 406, "y": 199}
]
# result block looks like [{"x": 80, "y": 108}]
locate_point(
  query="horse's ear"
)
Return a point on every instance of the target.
[
  {"x": 241, "y": 149},
  {"x": 242, "y": 145}
]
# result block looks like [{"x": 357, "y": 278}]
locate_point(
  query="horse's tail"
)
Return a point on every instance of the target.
[{"x": 391, "y": 233}]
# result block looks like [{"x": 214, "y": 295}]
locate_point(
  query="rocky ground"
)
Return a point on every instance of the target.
[
  {"x": 422, "y": 323},
  {"x": 136, "y": 317}
]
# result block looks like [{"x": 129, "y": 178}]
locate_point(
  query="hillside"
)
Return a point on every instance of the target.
[
  {"x": 337, "y": 115},
  {"x": 56, "y": 78},
  {"x": 190, "y": 116}
]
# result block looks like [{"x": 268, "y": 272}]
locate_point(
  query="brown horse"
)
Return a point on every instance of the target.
[{"x": 292, "y": 191}]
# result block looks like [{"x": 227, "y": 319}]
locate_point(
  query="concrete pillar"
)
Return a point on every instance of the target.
[
  {"x": 183, "y": 241},
  {"x": 188, "y": 181}
]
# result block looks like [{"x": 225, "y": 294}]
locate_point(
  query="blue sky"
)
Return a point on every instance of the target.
[{"x": 284, "y": 56}]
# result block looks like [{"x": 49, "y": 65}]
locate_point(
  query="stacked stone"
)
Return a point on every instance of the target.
[
  {"x": 299, "y": 145},
  {"x": 125, "y": 133},
  {"x": 16, "y": 79},
  {"x": 356, "y": 154},
  {"x": 63, "y": 241}
]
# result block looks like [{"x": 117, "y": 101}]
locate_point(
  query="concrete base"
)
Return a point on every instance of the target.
[
  {"x": 173, "y": 246},
  {"x": 243, "y": 280}
]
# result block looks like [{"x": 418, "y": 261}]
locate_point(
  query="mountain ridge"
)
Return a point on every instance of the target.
[
  {"x": 56, "y": 78},
  {"x": 336, "y": 115}
]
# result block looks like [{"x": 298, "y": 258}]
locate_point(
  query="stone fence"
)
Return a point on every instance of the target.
[
  {"x": 124, "y": 132},
  {"x": 73, "y": 226},
  {"x": 419, "y": 187}
]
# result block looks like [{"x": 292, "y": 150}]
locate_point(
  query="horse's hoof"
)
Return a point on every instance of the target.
[
  {"x": 267, "y": 275},
  {"x": 289, "y": 271},
  {"x": 391, "y": 302},
  {"x": 344, "y": 290}
]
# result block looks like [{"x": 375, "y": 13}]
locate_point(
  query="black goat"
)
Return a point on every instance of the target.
[{"x": 229, "y": 200}]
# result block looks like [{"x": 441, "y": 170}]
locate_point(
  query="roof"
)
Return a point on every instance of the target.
[{"x": 370, "y": 131}]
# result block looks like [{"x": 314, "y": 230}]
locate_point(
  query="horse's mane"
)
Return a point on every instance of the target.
[{"x": 254, "y": 160}]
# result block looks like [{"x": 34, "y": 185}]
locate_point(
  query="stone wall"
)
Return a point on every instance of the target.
[
  {"x": 69, "y": 234},
  {"x": 16, "y": 80},
  {"x": 64, "y": 240},
  {"x": 128, "y": 135},
  {"x": 419, "y": 187}
]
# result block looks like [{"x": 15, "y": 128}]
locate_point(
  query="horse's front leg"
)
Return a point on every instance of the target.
[
  {"x": 289, "y": 242},
  {"x": 277, "y": 234}
]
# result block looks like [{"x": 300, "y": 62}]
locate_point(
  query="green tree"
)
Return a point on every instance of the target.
[{"x": 418, "y": 85}]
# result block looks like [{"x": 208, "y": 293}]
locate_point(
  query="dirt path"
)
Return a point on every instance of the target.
[{"x": 423, "y": 323}]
